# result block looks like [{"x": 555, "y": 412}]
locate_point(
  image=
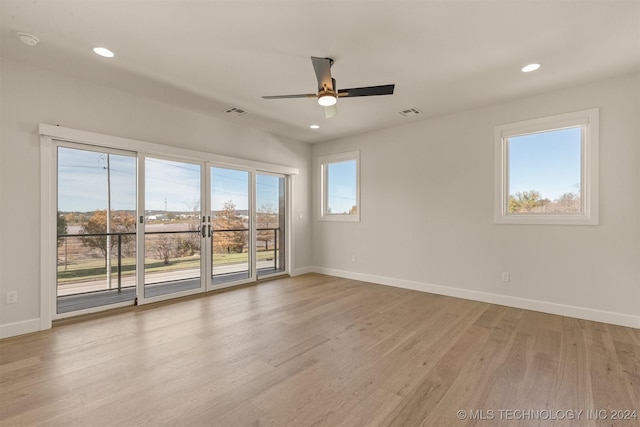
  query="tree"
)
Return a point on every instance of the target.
[
  {"x": 96, "y": 226},
  {"x": 62, "y": 228},
  {"x": 266, "y": 217},
  {"x": 163, "y": 245},
  {"x": 189, "y": 245},
  {"x": 526, "y": 201},
  {"x": 569, "y": 202},
  {"x": 186, "y": 247},
  {"x": 166, "y": 245},
  {"x": 228, "y": 219}
]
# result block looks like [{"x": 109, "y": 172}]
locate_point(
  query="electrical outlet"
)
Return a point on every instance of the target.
[
  {"x": 12, "y": 297},
  {"x": 353, "y": 258},
  {"x": 506, "y": 277}
]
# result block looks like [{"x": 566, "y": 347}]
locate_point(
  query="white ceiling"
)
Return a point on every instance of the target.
[{"x": 443, "y": 56}]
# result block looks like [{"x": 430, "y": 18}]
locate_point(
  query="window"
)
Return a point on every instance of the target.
[
  {"x": 340, "y": 187},
  {"x": 547, "y": 170},
  {"x": 125, "y": 220}
]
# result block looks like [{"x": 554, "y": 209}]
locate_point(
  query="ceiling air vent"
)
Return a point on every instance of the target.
[
  {"x": 235, "y": 111},
  {"x": 410, "y": 112}
]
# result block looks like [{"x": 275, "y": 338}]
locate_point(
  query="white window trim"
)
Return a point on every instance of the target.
[
  {"x": 589, "y": 168},
  {"x": 323, "y": 161}
]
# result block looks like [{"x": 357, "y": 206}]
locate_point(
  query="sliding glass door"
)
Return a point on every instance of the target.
[
  {"x": 248, "y": 217},
  {"x": 270, "y": 224},
  {"x": 135, "y": 227},
  {"x": 96, "y": 227},
  {"x": 172, "y": 227},
  {"x": 231, "y": 248}
]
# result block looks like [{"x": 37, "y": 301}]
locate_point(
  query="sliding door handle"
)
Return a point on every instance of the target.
[
  {"x": 203, "y": 229},
  {"x": 209, "y": 230}
]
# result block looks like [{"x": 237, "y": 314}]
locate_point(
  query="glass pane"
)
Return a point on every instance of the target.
[
  {"x": 172, "y": 227},
  {"x": 341, "y": 188},
  {"x": 96, "y": 257},
  {"x": 230, "y": 258},
  {"x": 545, "y": 172},
  {"x": 270, "y": 226}
]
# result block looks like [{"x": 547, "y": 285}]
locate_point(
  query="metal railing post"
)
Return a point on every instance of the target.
[
  {"x": 275, "y": 248},
  {"x": 119, "y": 262}
]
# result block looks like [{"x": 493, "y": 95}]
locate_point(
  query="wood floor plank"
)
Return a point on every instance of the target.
[
  {"x": 572, "y": 385},
  {"x": 316, "y": 350},
  {"x": 470, "y": 389}
]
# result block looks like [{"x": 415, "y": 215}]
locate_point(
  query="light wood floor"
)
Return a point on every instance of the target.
[{"x": 320, "y": 351}]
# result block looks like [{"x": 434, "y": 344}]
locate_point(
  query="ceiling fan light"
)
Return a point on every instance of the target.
[{"x": 327, "y": 98}]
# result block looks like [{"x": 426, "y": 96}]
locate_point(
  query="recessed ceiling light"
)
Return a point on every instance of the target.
[
  {"x": 529, "y": 68},
  {"x": 28, "y": 39},
  {"x": 103, "y": 51},
  {"x": 314, "y": 127}
]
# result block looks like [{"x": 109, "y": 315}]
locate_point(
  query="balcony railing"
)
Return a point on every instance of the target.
[{"x": 83, "y": 258}]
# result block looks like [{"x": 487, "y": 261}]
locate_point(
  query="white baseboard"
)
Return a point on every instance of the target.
[
  {"x": 303, "y": 270},
  {"x": 19, "y": 328},
  {"x": 614, "y": 318},
  {"x": 34, "y": 325}
]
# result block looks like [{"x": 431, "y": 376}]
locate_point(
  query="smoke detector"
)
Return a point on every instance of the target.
[{"x": 28, "y": 39}]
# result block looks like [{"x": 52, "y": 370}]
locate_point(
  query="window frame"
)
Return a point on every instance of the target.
[
  {"x": 589, "y": 121},
  {"x": 51, "y": 136},
  {"x": 323, "y": 163}
]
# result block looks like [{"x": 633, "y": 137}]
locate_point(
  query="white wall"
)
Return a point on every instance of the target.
[
  {"x": 30, "y": 96},
  {"x": 427, "y": 197},
  {"x": 427, "y": 212}
]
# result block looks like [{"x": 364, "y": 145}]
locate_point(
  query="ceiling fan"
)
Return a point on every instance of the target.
[{"x": 327, "y": 94}]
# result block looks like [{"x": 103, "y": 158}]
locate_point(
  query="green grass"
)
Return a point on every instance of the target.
[{"x": 94, "y": 269}]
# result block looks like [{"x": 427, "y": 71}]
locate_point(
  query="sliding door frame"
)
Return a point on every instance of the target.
[
  {"x": 55, "y": 145},
  {"x": 287, "y": 220},
  {"x": 141, "y": 221},
  {"x": 49, "y": 134},
  {"x": 251, "y": 235}
]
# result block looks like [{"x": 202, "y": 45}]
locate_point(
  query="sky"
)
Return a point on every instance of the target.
[
  {"x": 83, "y": 183},
  {"x": 341, "y": 186},
  {"x": 548, "y": 162},
  {"x": 229, "y": 184},
  {"x": 176, "y": 183}
]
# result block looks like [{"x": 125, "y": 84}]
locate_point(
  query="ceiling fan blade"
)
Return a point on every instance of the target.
[
  {"x": 304, "y": 95},
  {"x": 367, "y": 91},
  {"x": 330, "y": 111},
  {"x": 322, "y": 67}
]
